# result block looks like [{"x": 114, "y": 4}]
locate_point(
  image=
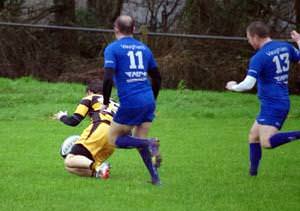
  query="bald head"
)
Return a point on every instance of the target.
[{"x": 125, "y": 24}]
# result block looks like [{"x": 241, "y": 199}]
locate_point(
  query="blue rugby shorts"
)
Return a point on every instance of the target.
[
  {"x": 272, "y": 116},
  {"x": 135, "y": 116}
]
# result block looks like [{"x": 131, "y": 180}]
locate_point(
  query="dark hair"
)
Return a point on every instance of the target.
[
  {"x": 258, "y": 28},
  {"x": 95, "y": 86},
  {"x": 125, "y": 24}
]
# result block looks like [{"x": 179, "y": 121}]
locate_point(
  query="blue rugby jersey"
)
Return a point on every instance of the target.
[
  {"x": 270, "y": 66},
  {"x": 131, "y": 60}
]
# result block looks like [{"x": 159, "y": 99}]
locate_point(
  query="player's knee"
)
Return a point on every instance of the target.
[{"x": 253, "y": 137}]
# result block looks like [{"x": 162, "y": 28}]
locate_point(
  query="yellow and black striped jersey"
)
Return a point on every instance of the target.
[{"x": 90, "y": 106}]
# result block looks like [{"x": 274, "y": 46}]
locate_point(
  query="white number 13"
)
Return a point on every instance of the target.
[
  {"x": 132, "y": 57},
  {"x": 284, "y": 67}
]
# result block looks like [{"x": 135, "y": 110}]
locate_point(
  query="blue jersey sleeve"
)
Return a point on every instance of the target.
[
  {"x": 255, "y": 66},
  {"x": 295, "y": 54},
  {"x": 109, "y": 58}
]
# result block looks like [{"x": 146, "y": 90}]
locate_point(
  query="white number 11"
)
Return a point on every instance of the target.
[{"x": 139, "y": 55}]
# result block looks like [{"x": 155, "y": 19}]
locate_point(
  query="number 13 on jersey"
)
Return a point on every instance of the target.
[{"x": 278, "y": 61}]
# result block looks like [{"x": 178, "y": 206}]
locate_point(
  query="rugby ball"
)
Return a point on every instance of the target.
[{"x": 67, "y": 145}]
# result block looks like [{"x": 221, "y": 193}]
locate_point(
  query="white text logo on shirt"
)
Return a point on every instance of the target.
[{"x": 136, "y": 76}]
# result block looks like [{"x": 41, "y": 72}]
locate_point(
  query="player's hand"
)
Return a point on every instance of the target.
[
  {"x": 295, "y": 36},
  {"x": 60, "y": 114},
  {"x": 230, "y": 84}
]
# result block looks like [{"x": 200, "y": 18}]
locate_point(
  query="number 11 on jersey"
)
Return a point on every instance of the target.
[{"x": 133, "y": 56}]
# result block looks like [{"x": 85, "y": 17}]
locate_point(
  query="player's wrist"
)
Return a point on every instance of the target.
[{"x": 60, "y": 115}]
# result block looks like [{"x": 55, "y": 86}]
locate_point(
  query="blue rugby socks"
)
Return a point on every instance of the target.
[
  {"x": 255, "y": 157},
  {"x": 278, "y": 139},
  {"x": 283, "y": 138},
  {"x": 146, "y": 156},
  {"x": 129, "y": 142}
]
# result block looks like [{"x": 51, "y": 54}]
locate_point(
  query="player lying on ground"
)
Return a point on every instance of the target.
[
  {"x": 269, "y": 67},
  {"x": 88, "y": 154}
]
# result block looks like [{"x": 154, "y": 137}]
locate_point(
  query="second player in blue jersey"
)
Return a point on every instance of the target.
[{"x": 269, "y": 67}]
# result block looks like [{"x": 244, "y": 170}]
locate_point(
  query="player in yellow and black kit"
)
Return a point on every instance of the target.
[{"x": 88, "y": 154}]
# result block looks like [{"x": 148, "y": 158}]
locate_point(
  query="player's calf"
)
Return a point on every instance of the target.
[
  {"x": 279, "y": 139},
  {"x": 255, "y": 154}
]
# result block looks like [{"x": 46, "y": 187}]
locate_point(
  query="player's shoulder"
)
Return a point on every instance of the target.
[
  {"x": 143, "y": 44},
  {"x": 283, "y": 44},
  {"x": 89, "y": 97},
  {"x": 257, "y": 55},
  {"x": 94, "y": 97},
  {"x": 86, "y": 100},
  {"x": 92, "y": 100},
  {"x": 97, "y": 98},
  {"x": 288, "y": 45},
  {"x": 113, "y": 45},
  {"x": 277, "y": 47}
]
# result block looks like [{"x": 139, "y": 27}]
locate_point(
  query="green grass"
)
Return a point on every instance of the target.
[{"x": 203, "y": 140}]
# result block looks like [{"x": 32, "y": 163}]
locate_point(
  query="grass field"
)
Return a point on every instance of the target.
[{"x": 203, "y": 140}]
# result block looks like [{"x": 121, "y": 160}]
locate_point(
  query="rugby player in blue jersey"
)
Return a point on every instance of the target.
[
  {"x": 128, "y": 63},
  {"x": 269, "y": 67}
]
